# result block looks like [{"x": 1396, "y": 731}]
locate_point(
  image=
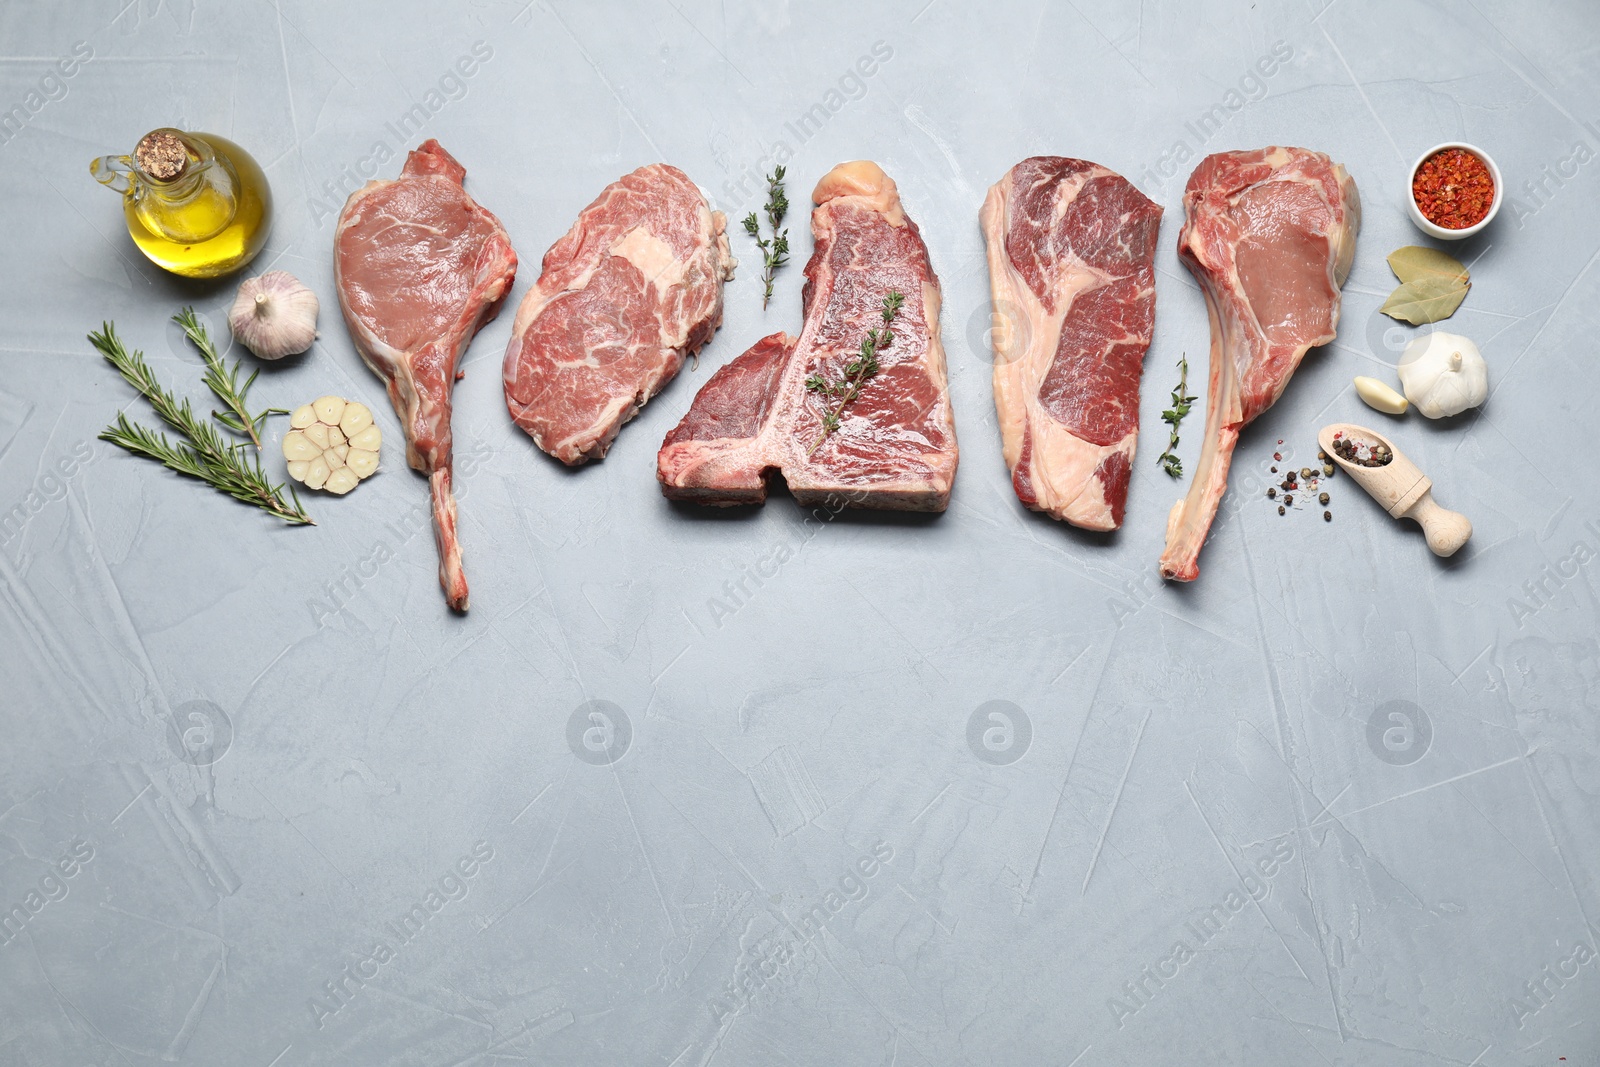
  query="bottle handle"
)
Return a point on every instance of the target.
[{"x": 114, "y": 172}]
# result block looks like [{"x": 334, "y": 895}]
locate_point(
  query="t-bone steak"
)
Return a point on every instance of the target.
[
  {"x": 1269, "y": 234},
  {"x": 632, "y": 289},
  {"x": 1072, "y": 250},
  {"x": 895, "y": 446},
  {"x": 420, "y": 268}
]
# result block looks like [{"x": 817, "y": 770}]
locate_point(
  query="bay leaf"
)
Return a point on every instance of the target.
[
  {"x": 1426, "y": 299},
  {"x": 1415, "y": 262}
]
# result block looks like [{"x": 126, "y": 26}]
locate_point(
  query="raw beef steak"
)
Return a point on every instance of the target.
[
  {"x": 1269, "y": 234},
  {"x": 896, "y": 445},
  {"x": 1072, "y": 250},
  {"x": 633, "y": 288},
  {"x": 420, "y": 268}
]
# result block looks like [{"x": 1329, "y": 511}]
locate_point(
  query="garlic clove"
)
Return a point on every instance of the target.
[
  {"x": 297, "y": 446},
  {"x": 317, "y": 473},
  {"x": 298, "y": 468},
  {"x": 274, "y": 315},
  {"x": 1378, "y": 395},
  {"x": 329, "y": 409},
  {"x": 341, "y": 481},
  {"x": 356, "y": 417},
  {"x": 361, "y": 461},
  {"x": 333, "y": 459},
  {"x": 335, "y": 437},
  {"x": 341, "y": 451},
  {"x": 369, "y": 439},
  {"x": 303, "y": 416},
  {"x": 317, "y": 434}
]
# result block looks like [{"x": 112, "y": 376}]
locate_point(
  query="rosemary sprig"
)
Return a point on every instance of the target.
[
  {"x": 224, "y": 382},
  {"x": 203, "y": 453},
  {"x": 1172, "y": 417},
  {"x": 836, "y": 395},
  {"x": 774, "y": 251}
]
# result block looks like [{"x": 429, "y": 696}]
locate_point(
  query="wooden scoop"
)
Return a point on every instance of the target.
[{"x": 1401, "y": 488}]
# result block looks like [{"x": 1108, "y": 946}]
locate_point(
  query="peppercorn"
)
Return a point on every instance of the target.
[
  {"x": 1280, "y": 509},
  {"x": 1289, "y": 500},
  {"x": 1271, "y": 492},
  {"x": 1328, "y": 470},
  {"x": 1327, "y": 516},
  {"x": 1305, "y": 472},
  {"x": 1274, "y": 470},
  {"x": 1323, "y": 499}
]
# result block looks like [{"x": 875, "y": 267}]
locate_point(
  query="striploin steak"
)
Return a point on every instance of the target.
[
  {"x": 1072, "y": 250},
  {"x": 420, "y": 268},
  {"x": 1269, "y": 234},
  {"x": 632, "y": 289},
  {"x": 895, "y": 446}
]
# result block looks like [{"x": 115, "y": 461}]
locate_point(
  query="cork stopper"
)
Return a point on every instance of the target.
[{"x": 162, "y": 155}]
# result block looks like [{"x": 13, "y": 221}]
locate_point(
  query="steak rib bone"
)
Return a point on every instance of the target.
[
  {"x": 420, "y": 268},
  {"x": 1269, "y": 234}
]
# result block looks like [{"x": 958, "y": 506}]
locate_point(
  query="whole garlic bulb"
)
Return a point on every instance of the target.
[
  {"x": 334, "y": 444},
  {"x": 274, "y": 315},
  {"x": 1443, "y": 374}
]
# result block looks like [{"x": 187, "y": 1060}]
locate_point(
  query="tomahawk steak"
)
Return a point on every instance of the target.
[
  {"x": 633, "y": 288},
  {"x": 1269, "y": 234},
  {"x": 420, "y": 268},
  {"x": 895, "y": 446},
  {"x": 1072, "y": 250}
]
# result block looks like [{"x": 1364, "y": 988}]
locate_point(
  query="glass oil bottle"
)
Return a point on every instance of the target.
[{"x": 196, "y": 203}]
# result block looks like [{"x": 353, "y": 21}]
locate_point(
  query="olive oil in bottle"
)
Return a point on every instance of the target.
[{"x": 196, "y": 203}]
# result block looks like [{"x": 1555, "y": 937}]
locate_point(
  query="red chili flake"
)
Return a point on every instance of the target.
[{"x": 1453, "y": 188}]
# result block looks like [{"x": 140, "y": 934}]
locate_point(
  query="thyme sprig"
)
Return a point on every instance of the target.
[
  {"x": 837, "y": 395},
  {"x": 774, "y": 250},
  {"x": 1173, "y": 416},
  {"x": 224, "y": 381},
  {"x": 203, "y": 452}
]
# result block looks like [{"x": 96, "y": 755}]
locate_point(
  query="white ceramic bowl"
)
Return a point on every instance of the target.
[{"x": 1435, "y": 230}]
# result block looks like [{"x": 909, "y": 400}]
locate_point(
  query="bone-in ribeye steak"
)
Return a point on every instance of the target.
[
  {"x": 632, "y": 289},
  {"x": 1269, "y": 234},
  {"x": 420, "y": 268},
  {"x": 1072, "y": 270},
  {"x": 895, "y": 446}
]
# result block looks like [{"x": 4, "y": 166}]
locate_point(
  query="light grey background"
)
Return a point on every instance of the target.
[{"x": 1425, "y": 869}]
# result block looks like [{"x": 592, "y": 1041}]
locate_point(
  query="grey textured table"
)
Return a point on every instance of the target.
[{"x": 859, "y": 790}]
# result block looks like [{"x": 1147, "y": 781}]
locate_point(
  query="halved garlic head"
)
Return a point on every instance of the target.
[{"x": 333, "y": 444}]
